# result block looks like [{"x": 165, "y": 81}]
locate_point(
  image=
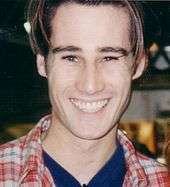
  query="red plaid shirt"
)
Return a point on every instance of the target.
[{"x": 21, "y": 163}]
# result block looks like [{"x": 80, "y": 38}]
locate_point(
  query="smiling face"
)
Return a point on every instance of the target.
[{"x": 89, "y": 69}]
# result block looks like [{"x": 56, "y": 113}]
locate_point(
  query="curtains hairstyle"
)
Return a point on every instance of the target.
[{"x": 41, "y": 12}]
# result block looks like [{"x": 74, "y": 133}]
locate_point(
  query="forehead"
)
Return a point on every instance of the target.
[{"x": 91, "y": 25}]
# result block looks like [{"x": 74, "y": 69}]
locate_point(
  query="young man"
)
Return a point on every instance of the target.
[{"x": 89, "y": 51}]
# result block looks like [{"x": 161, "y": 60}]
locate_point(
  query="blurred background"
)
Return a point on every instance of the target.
[{"x": 24, "y": 95}]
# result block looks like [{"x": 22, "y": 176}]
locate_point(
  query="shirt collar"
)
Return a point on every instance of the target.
[
  {"x": 32, "y": 152},
  {"x": 32, "y": 160},
  {"x": 135, "y": 169}
]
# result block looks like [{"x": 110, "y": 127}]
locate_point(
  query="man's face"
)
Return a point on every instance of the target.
[{"x": 89, "y": 69}]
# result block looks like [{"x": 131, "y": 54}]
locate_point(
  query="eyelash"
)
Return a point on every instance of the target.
[
  {"x": 72, "y": 58},
  {"x": 110, "y": 58},
  {"x": 69, "y": 58}
]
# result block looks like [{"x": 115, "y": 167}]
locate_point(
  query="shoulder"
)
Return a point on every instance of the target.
[
  {"x": 150, "y": 165},
  {"x": 155, "y": 171},
  {"x": 140, "y": 167},
  {"x": 10, "y": 149},
  {"x": 11, "y": 159}
]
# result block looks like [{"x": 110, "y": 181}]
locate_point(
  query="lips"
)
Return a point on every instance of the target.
[{"x": 90, "y": 107}]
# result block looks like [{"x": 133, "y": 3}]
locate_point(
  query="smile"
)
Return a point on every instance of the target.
[{"x": 89, "y": 107}]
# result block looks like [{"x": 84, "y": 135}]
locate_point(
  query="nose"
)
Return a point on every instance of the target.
[{"x": 90, "y": 81}]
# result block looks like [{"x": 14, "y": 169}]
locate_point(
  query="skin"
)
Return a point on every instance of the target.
[{"x": 90, "y": 60}]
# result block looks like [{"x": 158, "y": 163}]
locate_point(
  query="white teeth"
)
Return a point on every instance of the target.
[{"x": 89, "y": 106}]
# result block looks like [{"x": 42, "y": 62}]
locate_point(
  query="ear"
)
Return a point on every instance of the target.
[
  {"x": 140, "y": 67},
  {"x": 41, "y": 66}
]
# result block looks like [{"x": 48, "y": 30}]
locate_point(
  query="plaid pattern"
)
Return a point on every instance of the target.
[{"x": 21, "y": 163}]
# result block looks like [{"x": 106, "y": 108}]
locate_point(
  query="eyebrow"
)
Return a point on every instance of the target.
[
  {"x": 66, "y": 49},
  {"x": 71, "y": 48},
  {"x": 120, "y": 50}
]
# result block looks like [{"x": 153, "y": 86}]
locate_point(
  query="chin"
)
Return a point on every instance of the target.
[
  {"x": 91, "y": 133},
  {"x": 89, "y": 136}
]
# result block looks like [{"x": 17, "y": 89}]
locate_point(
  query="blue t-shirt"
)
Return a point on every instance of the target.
[{"x": 111, "y": 174}]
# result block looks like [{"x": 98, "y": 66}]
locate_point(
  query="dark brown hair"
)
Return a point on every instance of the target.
[{"x": 41, "y": 12}]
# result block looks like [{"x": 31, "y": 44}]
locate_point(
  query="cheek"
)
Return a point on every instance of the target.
[
  {"x": 61, "y": 82},
  {"x": 119, "y": 75},
  {"x": 60, "y": 77}
]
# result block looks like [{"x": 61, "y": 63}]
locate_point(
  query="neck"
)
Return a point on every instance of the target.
[{"x": 76, "y": 154}]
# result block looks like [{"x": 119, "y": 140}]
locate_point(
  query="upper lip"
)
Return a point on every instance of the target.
[{"x": 89, "y": 100}]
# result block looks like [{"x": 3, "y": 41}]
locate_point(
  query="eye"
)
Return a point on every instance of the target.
[
  {"x": 110, "y": 58},
  {"x": 70, "y": 58}
]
